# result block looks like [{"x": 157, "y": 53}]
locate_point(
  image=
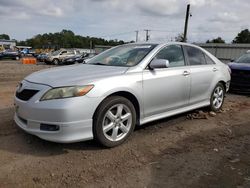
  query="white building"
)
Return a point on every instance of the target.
[{"x": 7, "y": 44}]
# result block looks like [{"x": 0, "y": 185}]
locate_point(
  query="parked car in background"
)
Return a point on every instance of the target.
[
  {"x": 58, "y": 56},
  {"x": 240, "y": 68},
  {"x": 27, "y": 52},
  {"x": 77, "y": 59},
  {"x": 10, "y": 54},
  {"x": 42, "y": 57},
  {"x": 88, "y": 56},
  {"x": 128, "y": 85}
]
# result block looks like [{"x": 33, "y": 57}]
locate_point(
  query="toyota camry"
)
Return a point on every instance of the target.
[{"x": 123, "y": 87}]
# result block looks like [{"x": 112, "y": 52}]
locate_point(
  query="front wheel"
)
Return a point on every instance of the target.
[
  {"x": 114, "y": 121},
  {"x": 217, "y": 97},
  {"x": 55, "y": 61}
]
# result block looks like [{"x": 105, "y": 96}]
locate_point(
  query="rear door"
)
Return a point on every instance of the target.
[{"x": 203, "y": 72}]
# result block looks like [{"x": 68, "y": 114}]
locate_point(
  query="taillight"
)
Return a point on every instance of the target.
[{"x": 229, "y": 69}]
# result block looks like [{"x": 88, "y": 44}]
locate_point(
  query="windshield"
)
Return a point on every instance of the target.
[
  {"x": 56, "y": 52},
  {"x": 244, "y": 58},
  {"x": 126, "y": 55}
]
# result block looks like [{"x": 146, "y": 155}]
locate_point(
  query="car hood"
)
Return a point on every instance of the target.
[
  {"x": 239, "y": 66},
  {"x": 74, "y": 75}
]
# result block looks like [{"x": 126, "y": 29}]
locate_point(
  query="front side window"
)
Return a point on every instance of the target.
[
  {"x": 63, "y": 52},
  {"x": 173, "y": 54},
  {"x": 244, "y": 58},
  {"x": 195, "y": 56},
  {"x": 56, "y": 52},
  {"x": 125, "y": 55}
]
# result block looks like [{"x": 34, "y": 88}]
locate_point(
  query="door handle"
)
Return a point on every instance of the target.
[
  {"x": 186, "y": 73},
  {"x": 215, "y": 69}
]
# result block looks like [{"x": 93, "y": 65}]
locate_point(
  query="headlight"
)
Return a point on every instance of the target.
[{"x": 66, "y": 92}]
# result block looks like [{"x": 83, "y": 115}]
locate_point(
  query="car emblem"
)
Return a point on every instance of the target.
[{"x": 19, "y": 88}]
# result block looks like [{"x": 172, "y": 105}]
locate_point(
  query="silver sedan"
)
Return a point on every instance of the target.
[{"x": 124, "y": 87}]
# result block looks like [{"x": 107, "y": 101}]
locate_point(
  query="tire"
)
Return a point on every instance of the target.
[
  {"x": 17, "y": 58},
  {"x": 217, "y": 97},
  {"x": 55, "y": 62},
  {"x": 114, "y": 121}
]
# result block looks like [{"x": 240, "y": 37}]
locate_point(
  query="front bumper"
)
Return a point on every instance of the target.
[
  {"x": 73, "y": 116},
  {"x": 240, "y": 81},
  {"x": 68, "y": 132}
]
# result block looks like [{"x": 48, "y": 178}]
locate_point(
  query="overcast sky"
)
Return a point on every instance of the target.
[{"x": 119, "y": 19}]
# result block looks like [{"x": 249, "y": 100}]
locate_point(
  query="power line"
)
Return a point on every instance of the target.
[{"x": 117, "y": 34}]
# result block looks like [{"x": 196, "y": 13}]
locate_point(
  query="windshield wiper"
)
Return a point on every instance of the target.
[{"x": 98, "y": 63}]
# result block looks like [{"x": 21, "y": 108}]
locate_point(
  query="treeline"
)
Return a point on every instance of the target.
[
  {"x": 242, "y": 37},
  {"x": 66, "y": 39}
]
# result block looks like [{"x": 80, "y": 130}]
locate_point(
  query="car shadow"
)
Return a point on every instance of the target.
[{"x": 15, "y": 140}]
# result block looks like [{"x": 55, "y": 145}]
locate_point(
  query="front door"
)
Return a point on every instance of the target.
[{"x": 166, "y": 89}]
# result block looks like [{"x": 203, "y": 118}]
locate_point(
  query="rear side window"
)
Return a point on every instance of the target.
[
  {"x": 195, "y": 56},
  {"x": 209, "y": 60},
  {"x": 173, "y": 54}
]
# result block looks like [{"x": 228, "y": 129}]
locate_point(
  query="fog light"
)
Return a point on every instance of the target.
[{"x": 48, "y": 127}]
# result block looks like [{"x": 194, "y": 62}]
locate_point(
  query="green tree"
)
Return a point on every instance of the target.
[
  {"x": 216, "y": 40},
  {"x": 4, "y": 36},
  {"x": 242, "y": 37},
  {"x": 66, "y": 39}
]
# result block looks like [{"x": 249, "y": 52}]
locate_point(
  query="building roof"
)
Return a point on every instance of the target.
[{"x": 4, "y": 40}]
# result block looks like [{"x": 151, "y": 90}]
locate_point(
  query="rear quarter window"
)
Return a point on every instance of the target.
[
  {"x": 195, "y": 56},
  {"x": 209, "y": 61}
]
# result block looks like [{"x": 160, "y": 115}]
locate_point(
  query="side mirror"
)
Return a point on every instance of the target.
[{"x": 159, "y": 64}]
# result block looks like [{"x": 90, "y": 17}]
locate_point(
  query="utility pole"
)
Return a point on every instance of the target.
[
  {"x": 186, "y": 23},
  {"x": 91, "y": 44},
  {"x": 136, "y": 36},
  {"x": 147, "y": 35}
]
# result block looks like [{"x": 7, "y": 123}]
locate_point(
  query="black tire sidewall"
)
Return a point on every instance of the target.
[
  {"x": 211, "y": 98},
  {"x": 99, "y": 115}
]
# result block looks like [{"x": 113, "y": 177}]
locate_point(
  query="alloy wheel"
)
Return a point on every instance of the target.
[
  {"x": 117, "y": 122},
  {"x": 218, "y": 97}
]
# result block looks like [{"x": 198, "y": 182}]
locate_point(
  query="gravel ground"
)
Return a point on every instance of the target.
[{"x": 211, "y": 150}]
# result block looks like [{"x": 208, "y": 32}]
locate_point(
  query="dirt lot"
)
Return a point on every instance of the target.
[{"x": 174, "y": 152}]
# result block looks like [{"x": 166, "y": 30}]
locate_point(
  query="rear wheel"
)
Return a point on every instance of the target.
[
  {"x": 114, "y": 121},
  {"x": 217, "y": 97}
]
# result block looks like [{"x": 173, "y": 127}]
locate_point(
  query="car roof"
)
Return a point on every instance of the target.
[{"x": 163, "y": 43}]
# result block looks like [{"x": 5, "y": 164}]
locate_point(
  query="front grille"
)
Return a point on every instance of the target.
[
  {"x": 26, "y": 94},
  {"x": 243, "y": 75}
]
